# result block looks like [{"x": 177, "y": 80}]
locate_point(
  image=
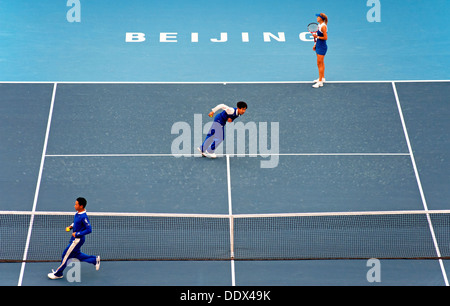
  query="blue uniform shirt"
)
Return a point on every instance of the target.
[
  {"x": 223, "y": 116},
  {"x": 81, "y": 225}
]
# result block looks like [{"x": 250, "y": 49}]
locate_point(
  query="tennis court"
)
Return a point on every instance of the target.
[{"x": 86, "y": 113}]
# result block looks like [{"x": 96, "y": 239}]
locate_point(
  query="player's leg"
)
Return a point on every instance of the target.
[
  {"x": 95, "y": 260},
  {"x": 68, "y": 253},
  {"x": 321, "y": 68},
  {"x": 213, "y": 139}
]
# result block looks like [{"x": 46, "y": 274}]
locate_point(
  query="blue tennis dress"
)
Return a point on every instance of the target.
[{"x": 321, "y": 45}]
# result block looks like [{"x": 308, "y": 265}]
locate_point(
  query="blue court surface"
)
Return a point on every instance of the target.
[{"x": 109, "y": 101}]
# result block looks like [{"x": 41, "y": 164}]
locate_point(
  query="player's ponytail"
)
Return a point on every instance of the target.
[{"x": 324, "y": 17}]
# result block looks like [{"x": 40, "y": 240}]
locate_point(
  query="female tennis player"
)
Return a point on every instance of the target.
[
  {"x": 321, "y": 47},
  {"x": 81, "y": 227}
]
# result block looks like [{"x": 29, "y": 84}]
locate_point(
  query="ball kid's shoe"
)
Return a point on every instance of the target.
[
  {"x": 210, "y": 155},
  {"x": 200, "y": 150},
  {"x": 53, "y": 276}
]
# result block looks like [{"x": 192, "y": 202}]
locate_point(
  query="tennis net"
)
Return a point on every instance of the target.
[{"x": 41, "y": 236}]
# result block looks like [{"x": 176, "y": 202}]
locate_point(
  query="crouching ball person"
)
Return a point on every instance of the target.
[{"x": 216, "y": 134}]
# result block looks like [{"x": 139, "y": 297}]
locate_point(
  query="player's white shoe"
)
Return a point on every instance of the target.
[
  {"x": 210, "y": 155},
  {"x": 97, "y": 264},
  {"x": 318, "y": 84},
  {"x": 200, "y": 150},
  {"x": 53, "y": 276},
  {"x": 318, "y": 80}
]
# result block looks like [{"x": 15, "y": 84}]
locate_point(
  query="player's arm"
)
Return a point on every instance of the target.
[
  {"x": 224, "y": 107},
  {"x": 87, "y": 229}
]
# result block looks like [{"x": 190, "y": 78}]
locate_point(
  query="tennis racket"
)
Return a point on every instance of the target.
[{"x": 313, "y": 27}]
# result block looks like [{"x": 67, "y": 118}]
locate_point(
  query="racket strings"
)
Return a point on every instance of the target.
[{"x": 313, "y": 27}]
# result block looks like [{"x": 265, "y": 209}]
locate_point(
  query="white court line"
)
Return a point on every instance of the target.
[
  {"x": 230, "y": 213},
  {"x": 228, "y": 154},
  {"x": 217, "y": 82},
  {"x": 38, "y": 184},
  {"x": 422, "y": 195}
]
